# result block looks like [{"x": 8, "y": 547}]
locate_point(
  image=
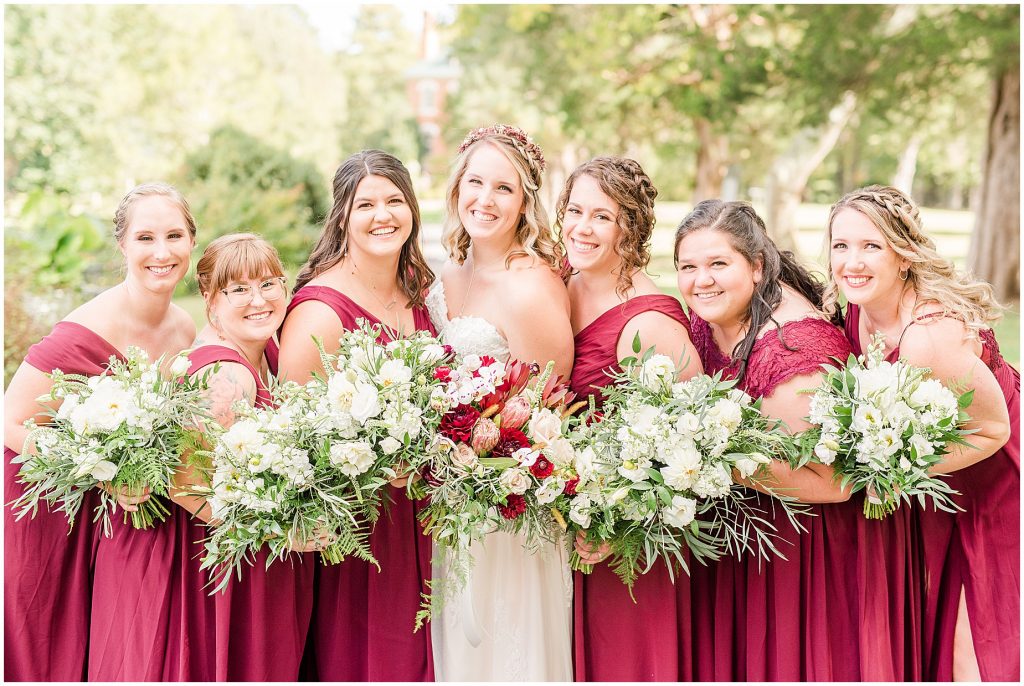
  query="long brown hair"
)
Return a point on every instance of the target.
[{"x": 414, "y": 274}]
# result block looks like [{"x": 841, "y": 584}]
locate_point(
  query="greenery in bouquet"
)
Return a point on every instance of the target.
[
  {"x": 125, "y": 429},
  {"x": 656, "y": 465},
  {"x": 502, "y": 460},
  {"x": 320, "y": 458},
  {"x": 883, "y": 425}
]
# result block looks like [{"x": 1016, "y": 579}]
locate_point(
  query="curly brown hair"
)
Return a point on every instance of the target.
[{"x": 625, "y": 182}]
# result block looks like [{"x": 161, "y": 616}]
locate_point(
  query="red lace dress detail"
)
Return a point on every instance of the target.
[
  {"x": 977, "y": 550},
  {"x": 770, "y": 621}
]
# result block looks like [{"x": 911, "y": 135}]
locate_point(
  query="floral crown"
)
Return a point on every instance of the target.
[{"x": 523, "y": 141}]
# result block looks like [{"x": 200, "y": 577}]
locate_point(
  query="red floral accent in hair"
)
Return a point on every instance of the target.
[
  {"x": 513, "y": 132},
  {"x": 542, "y": 468},
  {"x": 514, "y": 506}
]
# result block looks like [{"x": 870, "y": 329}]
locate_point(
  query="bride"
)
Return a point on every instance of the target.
[{"x": 501, "y": 295}]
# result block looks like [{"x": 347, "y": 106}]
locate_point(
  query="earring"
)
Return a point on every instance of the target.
[{"x": 904, "y": 274}]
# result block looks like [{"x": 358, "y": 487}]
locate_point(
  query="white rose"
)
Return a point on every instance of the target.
[
  {"x": 352, "y": 458},
  {"x": 643, "y": 418},
  {"x": 365, "y": 403},
  {"x": 544, "y": 425},
  {"x": 340, "y": 391},
  {"x": 390, "y": 445},
  {"x": 393, "y": 372},
  {"x": 726, "y": 413},
  {"x": 688, "y": 424},
  {"x": 515, "y": 480},
  {"x": 681, "y": 512},
  {"x": 431, "y": 353},
  {"x": 464, "y": 456},
  {"x": 104, "y": 470},
  {"x": 180, "y": 365},
  {"x": 471, "y": 363},
  {"x": 560, "y": 452},
  {"x": 657, "y": 372},
  {"x": 242, "y": 438}
]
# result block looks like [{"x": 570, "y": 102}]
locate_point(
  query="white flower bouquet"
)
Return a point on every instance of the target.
[
  {"x": 656, "y": 466},
  {"x": 320, "y": 459},
  {"x": 883, "y": 424},
  {"x": 502, "y": 459},
  {"x": 126, "y": 428}
]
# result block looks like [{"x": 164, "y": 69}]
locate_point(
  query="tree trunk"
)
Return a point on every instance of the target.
[
  {"x": 995, "y": 245},
  {"x": 791, "y": 171},
  {"x": 711, "y": 161},
  {"x": 903, "y": 179}
]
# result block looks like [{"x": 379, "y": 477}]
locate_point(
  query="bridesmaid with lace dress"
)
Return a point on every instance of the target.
[
  {"x": 259, "y": 622},
  {"x": 932, "y": 316},
  {"x": 48, "y": 572},
  {"x": 767, "y": 620},
  {"x": 501, "y": 295},
  {"x": 367, "y": 264},
  {"x": 606, "y": 214}
]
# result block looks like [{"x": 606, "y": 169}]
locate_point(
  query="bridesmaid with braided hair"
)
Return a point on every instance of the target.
[
  {"x": 932, "y": 316},
  {"x": 755, "y": 316},
  {"x": 606, "y": 215}
]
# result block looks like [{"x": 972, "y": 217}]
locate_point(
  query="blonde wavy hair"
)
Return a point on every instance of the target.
[
  {"x": 932, "y": 276},
  {"x": 533, "y": 232},
  {"x": 624, "y": 181}
]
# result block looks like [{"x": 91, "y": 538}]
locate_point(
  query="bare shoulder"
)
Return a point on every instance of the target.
[
  {"x": 99, "y": 313},
  {"x": 312, "y": 317},
  {"x": 182, "y": 326},
  {"x": 937, "y": 342}
]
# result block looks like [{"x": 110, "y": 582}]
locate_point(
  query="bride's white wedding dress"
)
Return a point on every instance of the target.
[{"x": 513, "y": 620}]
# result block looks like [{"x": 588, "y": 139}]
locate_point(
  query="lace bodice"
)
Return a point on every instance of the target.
[{"x": 468, "y": 335}]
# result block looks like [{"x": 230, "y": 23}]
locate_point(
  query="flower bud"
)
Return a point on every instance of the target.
[
  {"x": 515, "y": 413},
  {"x": 485, "y": 436}
]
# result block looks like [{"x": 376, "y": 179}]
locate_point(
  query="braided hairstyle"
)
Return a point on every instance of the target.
[
  {"x": 414, "y": 274},
  {"x": 625, "y": 182},
  {"x": 934, "y": 278},
  {"x": 533, "y": 232},
  {"x": 749, "y": 237}
]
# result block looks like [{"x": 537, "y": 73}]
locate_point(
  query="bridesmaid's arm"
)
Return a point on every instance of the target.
[
  {"x": 668, "y": 336},
  {"x": 231, "y": 383},
  {"x": 537, "y": 326},
  {"x": 20, "y": 404},
  {"x": 299, "y": 357},
  {"x": 812, "y": 483},
  {"x": 941, "y": 346}
]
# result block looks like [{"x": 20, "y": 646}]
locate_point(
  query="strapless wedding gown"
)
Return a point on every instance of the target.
[{"x": 513, "y": 620}]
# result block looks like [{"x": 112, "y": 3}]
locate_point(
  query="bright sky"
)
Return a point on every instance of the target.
[{"x": 334, "y": 20}]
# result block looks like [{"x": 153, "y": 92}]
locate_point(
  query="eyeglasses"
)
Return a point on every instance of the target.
[{"x": 241, "y": 294}]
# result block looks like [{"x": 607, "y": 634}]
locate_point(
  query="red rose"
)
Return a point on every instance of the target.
[
  {"x": 570, "y": 486},
  {"x": 514, "y": 506},
  {"x": 443, "y": 374},
  {"x": 457, "y": 424},
  {"x": 542, "y": 467},
  {"x": 509, "y": 441}
]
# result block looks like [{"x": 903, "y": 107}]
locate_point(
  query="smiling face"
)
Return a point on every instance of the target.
[
  {"x": 716, "y": 281},
  {"x": 156, "y": 244},
  {"x": 864, "y": 265},
  {"x": 491, "y": 197},
  {"x": 256, "y": 321},
  {"x": 591, "y": 227},
  {"x": 380, "y": 221}
]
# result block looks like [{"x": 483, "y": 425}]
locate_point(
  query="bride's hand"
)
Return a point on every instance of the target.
[{"x": 588, "y": 553}]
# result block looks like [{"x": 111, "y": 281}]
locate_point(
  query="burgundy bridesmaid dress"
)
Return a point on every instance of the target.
[
  {"x": 47, "y": 570},
  {"x": 769, "y": 621},
  {"x": 362, "y": 627},
  {"x": 260, "y": 620},
  {"x": 977, "y": 549},
  {"x": 616, "y": 639}
]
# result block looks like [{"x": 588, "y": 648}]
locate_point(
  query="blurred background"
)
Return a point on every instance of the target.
[{"x": 249, "y": 109}]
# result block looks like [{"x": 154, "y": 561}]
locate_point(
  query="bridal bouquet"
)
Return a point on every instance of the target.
[
  {"x": 320, "y": 458},
  {"x": 656, "y": 470},
  {"x": 126, "y": 428},
  {"x": 502, "y": 459},
  {"x": 883, "y": 424}
]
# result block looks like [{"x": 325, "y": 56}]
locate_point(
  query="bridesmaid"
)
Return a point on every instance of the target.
[
  {"x": 932, "y": 316},
  {"x": 755, "y": 316},
  {"x": 606, "y": 214},
  {"x": 47, "y": 570},
  {"x": 259, "y": 621},
  {"x": 367, "y": 264}
]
